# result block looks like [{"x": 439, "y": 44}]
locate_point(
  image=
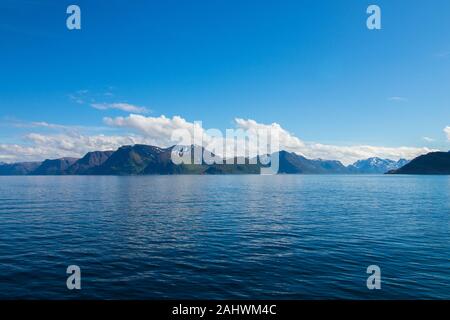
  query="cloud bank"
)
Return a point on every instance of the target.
[
  {"x": 159, "y": 129},
  {"x": 38, "y": 147},
  {"x": 136, "y": 128}
]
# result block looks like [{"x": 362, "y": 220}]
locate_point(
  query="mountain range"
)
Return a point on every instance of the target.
[
  {"x": 146, "y": 160},
  {"x": 376, "y": 165}
]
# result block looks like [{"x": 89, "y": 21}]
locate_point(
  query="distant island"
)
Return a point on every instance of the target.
[{"x": 147, "y": 160}]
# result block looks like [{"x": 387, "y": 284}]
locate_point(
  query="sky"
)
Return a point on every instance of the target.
[{"x": 138, "y": 70}]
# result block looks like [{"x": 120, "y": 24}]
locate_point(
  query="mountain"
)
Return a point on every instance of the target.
[
  {"x": 431, "y": 163},
  {"x": 331, "y": 166},
  {"x": 376, "y": 166},
  {"x": 129, "y": 160},
  {"x": 142, "y": 159},
  {"x": 237, "y": 165},
  {"x": 291, "y": 163},
  {"x": 163, "y": 163},
  {"x": 90, "y": 161},
  {"x": 147, "y": 160},
  {"x": 401, "y": 163},
  {"x": 17, "y": 169},
  {"x": 54, "y": 167}
]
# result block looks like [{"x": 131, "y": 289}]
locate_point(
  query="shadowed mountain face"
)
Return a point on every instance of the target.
[
  {"x": 147, "y": 160},
  {"x": 18, "y": 169},
  {"x": 293, "y": 163},
  {"x": 431, "y": 163},
  {"x": 90, "y": 161},
  {"x": 54, "y": 167},
  {"x": 130, "y": 160}
]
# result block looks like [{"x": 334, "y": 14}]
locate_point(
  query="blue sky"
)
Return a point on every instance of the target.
[{"x": 311, "y": 66}]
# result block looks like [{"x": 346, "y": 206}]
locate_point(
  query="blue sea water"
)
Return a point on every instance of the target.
[{"x": 225, "y": 237}]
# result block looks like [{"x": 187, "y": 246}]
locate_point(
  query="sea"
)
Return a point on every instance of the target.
[{"x": 225, "y": 237}]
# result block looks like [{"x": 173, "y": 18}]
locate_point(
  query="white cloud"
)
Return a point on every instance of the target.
[
  {"x": 428, "y": 139},
  {"x": 159, "y": 129},
  {"x": 287, "y": 140},
  {"x": 345, "y": 154},
  {"x": 79, "y": 97},
  {"x": 61, "y": 141},
  {"x": 120, "y": 106},
  {"x": 37, "y": 124},
  {"x": 38, "y": 147},
  {"x": 44, "y": 124},
  {"x": 350, "y": 154},
  {"x": 397, "y": 99},
  {"x": 447, "y": 132}
]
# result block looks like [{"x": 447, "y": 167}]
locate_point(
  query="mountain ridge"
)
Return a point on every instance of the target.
[
  {"x": 142, "y": 159},
  {"x": 376, "y": 165}
]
